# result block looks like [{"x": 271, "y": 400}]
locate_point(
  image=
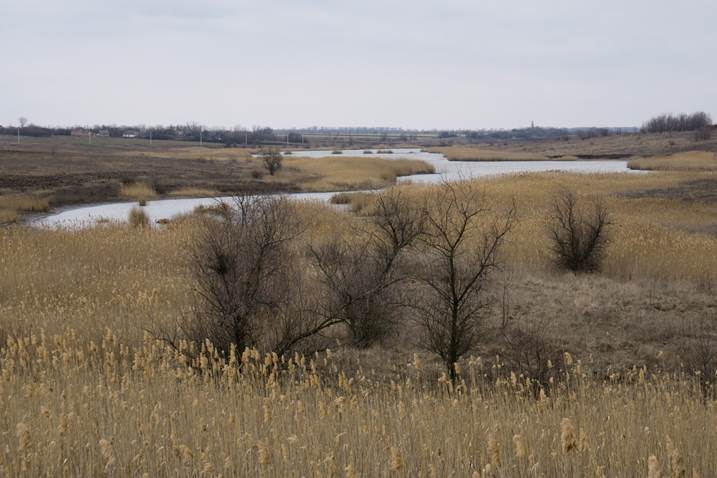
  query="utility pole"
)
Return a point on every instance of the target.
[
  {"x": 246, "y": 138},
  {"x": 150, "y": 137},
  {"x": 89, "y": 137},
  {"x": 18, "y": 135},
  {"x": 200, "y": 136}
]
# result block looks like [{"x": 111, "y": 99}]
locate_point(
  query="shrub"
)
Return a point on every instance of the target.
[
  {"x": 272, "y": 160},
  {"x": 247, "y": 279},
  {"x": 578, "y": 233}
]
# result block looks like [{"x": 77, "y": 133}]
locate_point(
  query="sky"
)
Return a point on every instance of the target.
[{"x": 412, "y": 64}]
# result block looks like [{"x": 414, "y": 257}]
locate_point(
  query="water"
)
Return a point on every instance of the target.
[{"x": 445, "y": 170}]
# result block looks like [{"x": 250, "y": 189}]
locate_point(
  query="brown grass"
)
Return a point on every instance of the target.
[
  {"x": 689, "y": 161},
  {"x": 87, "y": 391},
  {"x": 13, "y": 205},
  {"x": 342, "y": 173},
  {"x": 94, "y": 409},
  {"x": 138, "y": 191}
]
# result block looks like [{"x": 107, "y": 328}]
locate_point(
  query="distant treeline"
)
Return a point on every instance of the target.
[
  {"x": 667, "y": 123},
  {"x": 190, "y": 132}
]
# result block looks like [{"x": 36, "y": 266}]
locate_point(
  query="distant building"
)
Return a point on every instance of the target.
[
  {"x": 129, "y": 134},
  {"x": 79, "y": 132},
  {"x": 103, "y": 132}
]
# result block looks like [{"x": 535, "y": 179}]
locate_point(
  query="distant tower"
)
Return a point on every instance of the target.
[{"x": 532, "y": 125}]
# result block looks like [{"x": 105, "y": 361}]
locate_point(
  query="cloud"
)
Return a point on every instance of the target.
[{"x": 455, "y": 63}]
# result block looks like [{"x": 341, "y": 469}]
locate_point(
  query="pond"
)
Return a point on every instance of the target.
[{"x": 445, "y": 170}]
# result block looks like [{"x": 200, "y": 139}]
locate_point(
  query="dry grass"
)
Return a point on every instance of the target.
[
  {"x": 86, "y": 391},
  {"x": 485, "y": 153},
  {"x": 342, "y": 173},
  {"x": 12, "y": 205},
  {"x": 72, "y": 408},
  {"x": 653, "y": 237},
  {"x": 138, "y": 217},
  {"x": 690, "y": 161},
  {"x": 138, "y": 191}
]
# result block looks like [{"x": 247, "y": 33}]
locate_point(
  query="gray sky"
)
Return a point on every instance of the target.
[{"x": 414, "y": 64}]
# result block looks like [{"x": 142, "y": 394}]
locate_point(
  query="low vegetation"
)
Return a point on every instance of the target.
[
  {"x": 12, "y": 205},
  {"x": 342, "y": 173},
  {"x": 138, "y": 191},
  {"x": 429, "y": 333},
  {"x": 138, "y": 217},
  {"x": 690, "y": 161}
]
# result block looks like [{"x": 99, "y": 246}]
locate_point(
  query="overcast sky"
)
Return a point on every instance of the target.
[{"x": 413, "y": 64}]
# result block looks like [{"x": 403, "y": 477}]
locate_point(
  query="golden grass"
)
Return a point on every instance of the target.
[
  {"x": 86, "y": 391},
  {"x": 485, "y": 153},
  {"x": 74, "y": 408},
  {"x": 689, "y": 161},
  {"x": 138, "y": 191},
  {"x": 13, "y": 205},
  {"x": 342, "y": 173},
  {"x": 652, "y": 236}
]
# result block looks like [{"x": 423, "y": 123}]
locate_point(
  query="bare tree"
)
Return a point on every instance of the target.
[
  {"x": 247, "y": 279},
  {"x": 272, "y": 159},
  {"x": 578, "y": 232},
  {"x": 461, "y": 247},
  {"x": 23, "y": 121},
  {"x": 359, "y": 276}
]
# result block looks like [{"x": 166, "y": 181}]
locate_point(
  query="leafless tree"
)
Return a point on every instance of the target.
[
  {"x": 272, "y": 160},
  {"x": 247, "y": 278},
  {"x": 578, "y": 232},
  {"x": 460, "y": 252},
  {"x": 359, "y": 275}
]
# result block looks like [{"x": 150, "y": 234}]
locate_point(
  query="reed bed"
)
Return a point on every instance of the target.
[
  {"x": 89, "y": 388},
  {"x": 342, "y": 173},
  {"x": 72, "y": 408},
  {"x": 138, "y": 191},
  {"x": 689, "y": 161}
]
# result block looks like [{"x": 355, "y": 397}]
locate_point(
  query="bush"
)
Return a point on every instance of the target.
[
  {"x": 578, "y": 234},
  {"x": 272, "y": 160}
]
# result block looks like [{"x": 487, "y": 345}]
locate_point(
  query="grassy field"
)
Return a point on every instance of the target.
[
  {"x": 89, "y": 389},
  {"x": 690, "y": 161},
  {"x": 72, "y": 408},
  {"x": 615, "y": 146},
  {"x": 42, "y": 173}
]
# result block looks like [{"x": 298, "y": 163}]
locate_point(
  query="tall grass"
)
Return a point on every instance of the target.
[
  {"x": 73, "y": 408},
  {"x": 689, "y": 161},
  {"x": 138, "y": 191},
  {"x": 13, "y": 205},
  {"x": 341, "y": 173}
]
